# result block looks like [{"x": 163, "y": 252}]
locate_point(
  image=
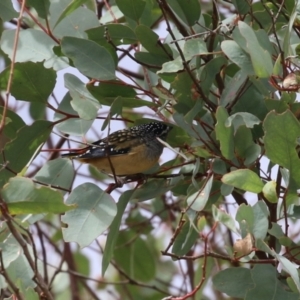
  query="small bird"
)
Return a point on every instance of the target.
[{"x": 129, "y": 151}]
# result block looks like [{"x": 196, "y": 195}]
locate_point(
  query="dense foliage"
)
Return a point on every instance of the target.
[{"x": 219, "y": 217}]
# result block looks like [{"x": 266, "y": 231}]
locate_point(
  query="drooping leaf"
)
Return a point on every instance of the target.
[
  {"x": 114, "y": 230},
  {"x": 281, "y": 133},
  {"x": 94, "y": 212},
  {"x": 185, "y": 239},
  {"x": 224, "y": 133}
]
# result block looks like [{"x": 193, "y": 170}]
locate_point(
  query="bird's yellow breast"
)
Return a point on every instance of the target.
[{"x": 136, "y": 161}]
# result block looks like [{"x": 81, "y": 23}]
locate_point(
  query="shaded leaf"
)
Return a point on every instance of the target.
[
  {"x": 130, "y": 254},
  {"x": 19, "y": 151},
  {"x": 31, "y": 82},
  {"x": 7, "y": 11},
  {"x": 235, "y": 282},
  {"x": 41, "y": 6},
  {"x": 266, "y": 285},
  {"x": 189, "y": 12},
  {"x": 224, "y": 133},
  {"x": 185, "y": 239}
]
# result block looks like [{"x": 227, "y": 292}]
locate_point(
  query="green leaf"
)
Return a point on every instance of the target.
[
  {"x": 69, "y": 9},
  {"x": 209, "y": 73},
  {"x": 151, "y": 189},
  {"x": 285, "y": 241},
  {"x": 233, "y": 87},
  {"x": 168, "y": 66},
  {"x": 269, "y": 191},
  {"x": 31, "y": 82},
  {"x": 267, "y": 285},
  {"x": 10, "y": 250},
  {"x": 245, "y": 217},
  {"x": 189, "y": 12},
  {"x": 19, "y": 151},
  {"x": 94, "y": 212},
  {"x": 41, "y": 6},
  {"x": 288, "y": 34},
  {"x": 198, "y": 200},
  {"x": 73, "y": 126},
  {"x": 260, "y": 58},
  {"x": 245, "y": 147},
  {"x": 242, "y": 7},
  {"x": 130, "y": 254},
  {"x": 22, "y": 197},
  {"x": 13, "y": 124},
  {"x": 34, "y": 45},
  {"x": 224, "y": 133},
  {"x": 114, "y": 230},
  {"x": 82, "y": 101},
  {"x": 74, "y": 24},
  {"x": 194, "y": 47},
  {"x": 235, "y": 282},
  {"x": 185, "y": 239},
  {"x": 132, "y": 8},
  {"x": 224, "y": 218},
  {"x": 58, "y": 172},
  {"x": 242, "y": 118},
  {"x": 150, "y": 41},
  {"x": 261, "y": 220},
  {"x": 153, "y": 60},
  {"x": 244, "y": 179},
  {"x": 20, "y": 272},
  {"x": 91, "y": 59},
  {"x": 118, "y": 33},
  {"x": 281, "y": 133},
  {"x": 238, "y": 56},
  {"x": 290, "y": 268},
  {"x": 7, "y": 11}
]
